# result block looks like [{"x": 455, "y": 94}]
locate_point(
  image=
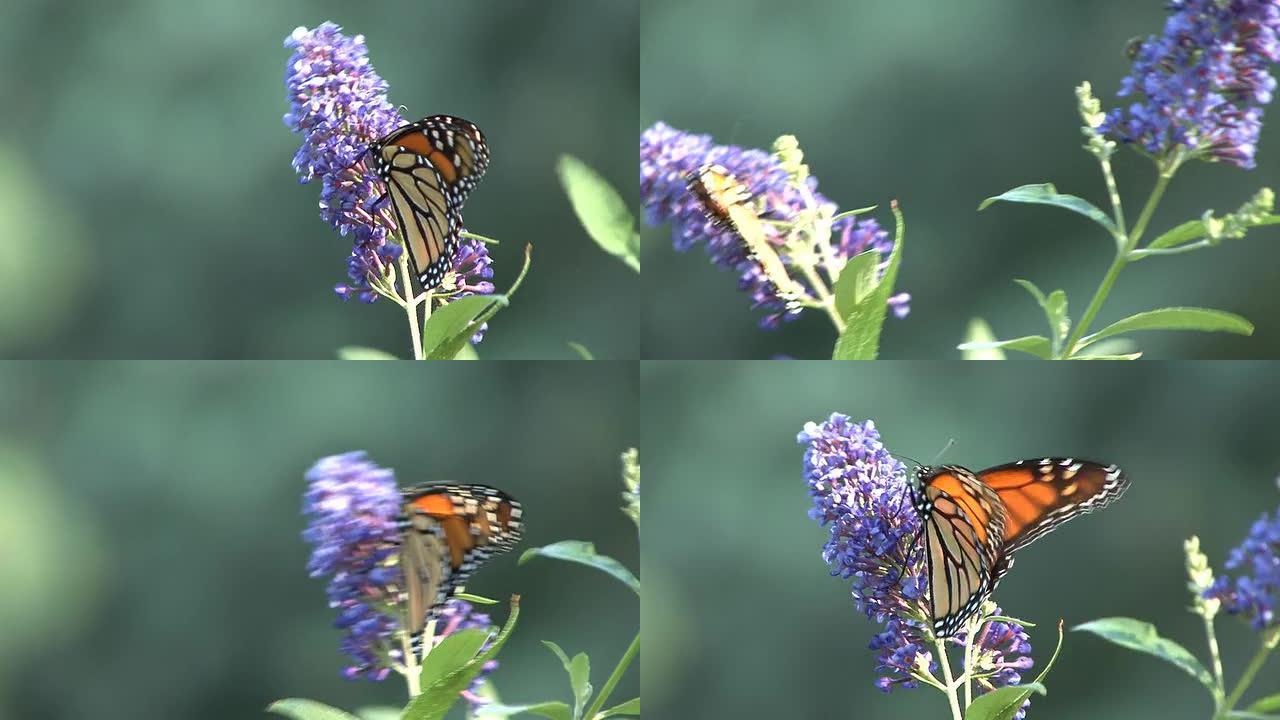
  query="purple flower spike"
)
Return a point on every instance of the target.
[
  {"x": 353, "y": 506},
  {"x": 1254, "y": 592},
  {"x": 1202, "y": 84},
  {"x": 859, "y": 492},
  {"x": 668, "y": 156},
  {"x": 339, "y": 104}
]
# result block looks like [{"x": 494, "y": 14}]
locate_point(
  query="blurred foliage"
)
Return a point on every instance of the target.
[
  {"x": 149, "y": 207},
  {"x": 149, "y": 515},
  {"x": 939, "y": 106},
  {"x": 742, "y": 618}
]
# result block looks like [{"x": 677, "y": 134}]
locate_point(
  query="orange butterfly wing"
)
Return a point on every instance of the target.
[
  {"x": 1039, "y": 495},
  {"x": 973, "y": 522}
]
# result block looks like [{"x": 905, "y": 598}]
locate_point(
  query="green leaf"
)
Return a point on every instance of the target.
[
  {"x": 630, "y": 708},
  {"x": 1142, "y": 636},
  {"x": 583, "y": 553},
  {"x": 378, "y": 713},
  {"x": 1271, "y": 703},
  {"x": 582, "y": 351},
  {"x": 1175, "y": 318},
  {"x": 1113, "y": 347},
  {"x": 601, "y": 210},
  {"x": 452, "y": 326},
  {"x": 857, "y": 281},
  {"x": 476, "y": 599},
  {"x": 579, "y": 669},
  {"x": 1055, "y": 311},
  {"x": 451, "y": 654},
  {"x": 555, "y": 710},
  {"x": 861, "y": 337},
  {"x": 1247, "y": 715},
  {"x": 353, "y": 352},
  {"x": 580, "y": 681},
  {"x": 1047, "y": 194},
  {"x": 1037, "y": 345},
  {"x": 560, "y": 653},
  {"x": 300, "y": 709},
  {"x": 1184, "y": 233},
  {"x": 1002, "y": 703},
  {"x": 434, "y": 701},
  {"x": 467, "y": 352},
  {"x": 978, "y": 339},
  {"x": 1008, "y": 619}
]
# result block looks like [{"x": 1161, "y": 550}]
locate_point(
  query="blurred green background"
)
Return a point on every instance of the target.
[
  {"x": 939, "y": 105},
  {"x": 148, "y": 208},
  {"x": 742, "y": 619},
  {"x": 149, "y": 514}
]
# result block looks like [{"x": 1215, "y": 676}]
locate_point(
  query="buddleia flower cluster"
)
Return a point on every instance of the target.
[
  {"x": 338, "y": 103},
  {"x": 788, "y": 197},
  {"x": 353, "y": 506},
  {"x": 1201, "y": 85},
  {"x": 1255, "y": 590},
  {"x": 860, "y": 494}
]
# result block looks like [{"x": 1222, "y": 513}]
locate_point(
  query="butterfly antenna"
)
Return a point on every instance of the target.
[{"x": 944, "y": 450}]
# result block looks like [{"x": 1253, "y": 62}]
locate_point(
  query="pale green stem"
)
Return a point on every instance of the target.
[
  {"x": 824, "y": 297},
  {"x": 1216, "y": 657},
  {"x": 412, "y": 676},
  {"x": 1118, "y": 264},
  {"x": 411, "y": 307},
  {"x": 824, "y": 245},
  {"x": 952, "y": 700},
  {"x": 598, "y": 704},
  {"x": 1114, "y": 193},
  {"x": 1269, "y": 642},
  {"x": 970, "y": 640}
]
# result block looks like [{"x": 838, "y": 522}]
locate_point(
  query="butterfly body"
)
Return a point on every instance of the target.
[
  {"x": 447, "y": 532},
  {"x": 717, "y": 190},
  {"x": 429, "y": 168},
  {"x": 972, "y": 523}
]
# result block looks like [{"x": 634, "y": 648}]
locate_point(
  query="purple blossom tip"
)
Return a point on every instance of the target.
[
  {"x": 1254, "y": 591},
  {"x": 1201, "y": 85}
]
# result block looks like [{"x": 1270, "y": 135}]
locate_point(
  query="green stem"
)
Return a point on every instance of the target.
[
  {"x": 824, "y": 296},
  {"x": 1114, "y": 193},
  {"x": 1216, "y": 657},
  {"x": 970, "y": 639},
  {"x": 952, "y": 700},
  {"x": 1121, "y": 260},
  {"x": 411, "y": 307},
  {"x": 412, "y": 676},
  {"x": 1269, "y": 642},
  {"x": 598, "y": 704}
]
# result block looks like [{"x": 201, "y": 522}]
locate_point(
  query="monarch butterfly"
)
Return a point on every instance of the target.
[
  {"x": 717, "y": 190},
  {"x": 429, "y": 167},
  {"x": 447, "y": 531},
  {"x": 973, "y": 522}
]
